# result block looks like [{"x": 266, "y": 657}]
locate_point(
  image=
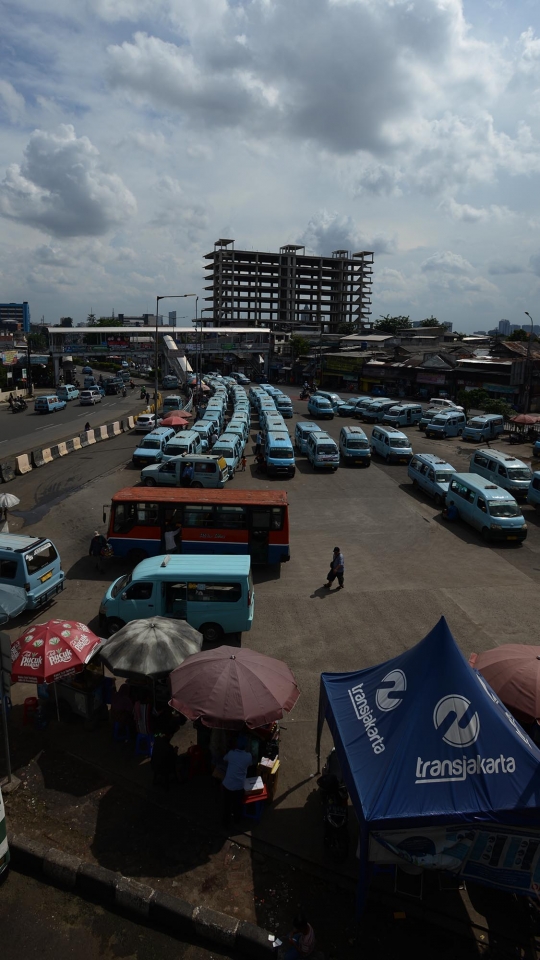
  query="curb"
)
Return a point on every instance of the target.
[{"x": 137, "y": 900}]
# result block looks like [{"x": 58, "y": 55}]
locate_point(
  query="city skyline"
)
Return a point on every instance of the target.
[{"x": 135, "y": 132}]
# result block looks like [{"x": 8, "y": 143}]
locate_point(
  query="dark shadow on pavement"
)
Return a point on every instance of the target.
[{"x": 264, "y": 574}]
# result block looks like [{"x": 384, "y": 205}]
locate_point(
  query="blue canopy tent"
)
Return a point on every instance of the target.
[{"x": 439, "y": 773}]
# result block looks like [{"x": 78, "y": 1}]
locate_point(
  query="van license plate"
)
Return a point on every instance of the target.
[{"x": 47, "y": 576}]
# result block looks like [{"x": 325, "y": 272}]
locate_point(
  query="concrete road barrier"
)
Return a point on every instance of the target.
[
  {"x": 131, "y": 422},
  {"x": 7, "y": 471},
  {"x": 37, "y": 458},
  {"x": 117, "y": 429},
  {"x": 54, "y": 451},
  {"x": 101, "y": 433},
  {"x": 76, "y": 443},
  {"x": 23, "y": 464},
  {"x": 62, "y": 449},
  {"x": 136, "y": 899}
]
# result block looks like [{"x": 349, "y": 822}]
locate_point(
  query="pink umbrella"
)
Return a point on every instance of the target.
[
  {"x": 175, "y": 420},
  {"x": 232, "y": 687},
  {"x": 526, "y": 418},
  {"x": 513, "y": 672}
]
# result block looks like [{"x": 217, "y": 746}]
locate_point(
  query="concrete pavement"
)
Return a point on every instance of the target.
[{"x": 404, "y": 568}]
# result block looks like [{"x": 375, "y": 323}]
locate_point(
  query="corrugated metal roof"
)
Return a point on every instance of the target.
[{"x": 156, "y": 495}]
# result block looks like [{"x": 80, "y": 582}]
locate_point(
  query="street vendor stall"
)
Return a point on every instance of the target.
[{"x": 440, "y": 774}]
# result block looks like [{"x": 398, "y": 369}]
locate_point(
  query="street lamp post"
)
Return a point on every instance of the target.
[
  {"x": 166, "y": 296},
  {"x": 528, "y": 370}
]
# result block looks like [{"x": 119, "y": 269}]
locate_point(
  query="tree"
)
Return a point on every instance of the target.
[
  {"x": 501, "y": 407},
  {"x": 518, "y": 335},
  {"x": 300, "y": 346},
  {"x": 388, "y": 324},
  {"x": 469, "y": 399},
  {"x": 91, "y": 319},
  {"x": 39, "y": 342},
  {"x": 431, "y": 322}
]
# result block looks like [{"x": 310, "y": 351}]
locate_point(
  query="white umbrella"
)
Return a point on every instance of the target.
[{"x": 8, "y": 500}]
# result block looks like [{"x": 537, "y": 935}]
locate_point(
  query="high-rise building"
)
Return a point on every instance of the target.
[
  {"x": 505, "y": 328},
  {"x": 16, "y": 313},
  {"x": 250, "y": 287}
]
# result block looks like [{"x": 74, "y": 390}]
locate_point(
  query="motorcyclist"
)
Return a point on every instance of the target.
[{"x": 124, "y": 391}]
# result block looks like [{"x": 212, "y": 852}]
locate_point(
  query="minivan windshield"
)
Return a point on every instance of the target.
[
  {"x": 281, "y": 453},
  {"x": 398, "y": 442},
  {"x": 519, "y": 473},
  {"x": 326, "y": 448},
  {"x": 151, "y": 444},
  {"x": 120, "y": 584},
  {"x": 438, "y": 421},
  {"x": 357, "y": 444},
  {"x": 503, "y": 508},
  {"x": 476, "y": 424},
  {"x": 443, "y": 477},
  {"x": 222, "y": 450}
]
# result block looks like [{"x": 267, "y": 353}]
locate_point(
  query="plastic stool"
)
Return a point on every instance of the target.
[
  {"x": 30, "y": 709},
  {"x": 255, "y": 801},
  {"x": 144, "y": 744},
  {"x": 120, "y": 732}
]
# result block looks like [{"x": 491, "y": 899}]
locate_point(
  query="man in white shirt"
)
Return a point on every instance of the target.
[
  {"x": 172, "y": 535},
  {"x": 238, "y": 761}
]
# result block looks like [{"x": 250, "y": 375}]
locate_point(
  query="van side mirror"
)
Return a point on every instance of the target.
[{"x": 123, "y": 596}]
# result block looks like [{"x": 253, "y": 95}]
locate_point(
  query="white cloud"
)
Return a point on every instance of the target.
[
  {"x": 446, "y": 262},
  {"x": 62, "y": 188},
  {"x": 11, "y": 102},
  {"x": 327, "y": 232}
]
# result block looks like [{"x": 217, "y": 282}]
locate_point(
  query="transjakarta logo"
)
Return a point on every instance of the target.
[
  {"x": 392, "y": 684},
  {"x": 460, "y": 728},
  {"x": 458, "y": 733},
  {"x": 364, "y": 713}
]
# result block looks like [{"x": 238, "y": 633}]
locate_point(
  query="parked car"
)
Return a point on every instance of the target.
[{"x": 89, "y": 397}]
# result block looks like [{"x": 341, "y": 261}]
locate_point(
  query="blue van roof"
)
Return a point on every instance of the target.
[
  {"x": 482, "y": 483},
  {"x": 275, "y": 437},
  {"x": 195, "y": 566},
  {"x": 434, "y": 460},
  {"x": 13, "y": 542},
  {"x": 309, "y": 426},
  {"x": 159, "y": 432}
]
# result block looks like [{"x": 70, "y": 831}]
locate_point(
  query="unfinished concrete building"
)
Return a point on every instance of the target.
[{"x": 289, "y": 287}]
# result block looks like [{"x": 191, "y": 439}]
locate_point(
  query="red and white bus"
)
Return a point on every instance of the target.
[{"x": 208, "y": 521}]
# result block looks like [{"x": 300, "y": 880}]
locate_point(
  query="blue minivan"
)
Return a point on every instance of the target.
[
  {"x": 48, "y": 404},
  {"x": 486, "y": 507},
  {"x": 214, "y": 594},
  {"x": 152, "y": 447},
  {"x": 279, "y": 455},
  {"x": 32, "y": 563},
  {"x": 431, "y": 474}
]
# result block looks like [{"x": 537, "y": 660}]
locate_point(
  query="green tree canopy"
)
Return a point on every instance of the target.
[
  {"x": 519, "y": 335},
  {"x": 431, "y": 322},
  {"x": 501, "y": 407},
  {"x": 473, "y": 399},
  {"x": 300, "y": 346},
  {"x": 388, "y": 324}
]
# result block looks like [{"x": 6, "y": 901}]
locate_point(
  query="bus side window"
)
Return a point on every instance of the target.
[
  {"x": 260, "y": 519},
  {"x": 147, "y": 514},
  {"x": 277, "y": 518},
  {"x": 198, "y": 515},
  {"x": 482, "y": 505},
  {"x": 231, "y": 518},
  {"x": 124, "y": 517}
]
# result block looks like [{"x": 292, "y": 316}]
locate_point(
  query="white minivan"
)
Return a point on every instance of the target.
[{"x": 391, "y": 444}]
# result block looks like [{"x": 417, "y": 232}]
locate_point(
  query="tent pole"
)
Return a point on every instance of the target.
[{"x": 57, "y": 706}]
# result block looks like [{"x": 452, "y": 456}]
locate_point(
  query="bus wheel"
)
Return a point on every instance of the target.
[
  {"x": 212, "y": 632},
  {"x": 137, "y": 555},
  {"x": 149, "y": 482},
  {"x": 196, "y": 483},
  {"x": 114, "y": 624}
]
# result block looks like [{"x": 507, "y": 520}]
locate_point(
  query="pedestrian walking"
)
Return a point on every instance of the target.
[
  {"x": 301, "y": 939},
  {"x": 337, "y": 569},
  {"x": 243, "y": 463},
  {"x": 147, "y": 397},
  {"x": 98, "y": 549},
  {"x": 258, "y": 442},
  {"x": 87, "y": 426}
]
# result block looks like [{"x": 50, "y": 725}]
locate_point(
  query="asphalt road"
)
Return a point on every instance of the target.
[
  {"x": 21, "y": 432},
  {"x": 37, "y": 920}
]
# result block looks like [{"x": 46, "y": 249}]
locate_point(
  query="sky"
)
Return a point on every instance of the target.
[{"x": 135, "y": 133}]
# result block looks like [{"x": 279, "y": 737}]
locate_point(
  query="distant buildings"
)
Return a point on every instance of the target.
[
  {"x": 14, "y": 315},
  {"x": 505, "y": 328}
]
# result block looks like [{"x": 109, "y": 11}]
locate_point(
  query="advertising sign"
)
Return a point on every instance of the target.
[{"x": 430, "y": 378}]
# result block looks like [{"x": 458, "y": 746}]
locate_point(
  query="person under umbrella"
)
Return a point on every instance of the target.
[{"x": 7, "y": 501}]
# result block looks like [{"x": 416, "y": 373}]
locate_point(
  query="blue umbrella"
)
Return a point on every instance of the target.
[{"x": 13, "y": 601}]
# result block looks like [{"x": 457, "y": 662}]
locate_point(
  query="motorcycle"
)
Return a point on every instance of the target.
[
  {"x": 132, "y": 385},
  {"x": 305, "y": 394},
  {"x": 19, "y": 404},
  {"x": 335, "y": 803}
]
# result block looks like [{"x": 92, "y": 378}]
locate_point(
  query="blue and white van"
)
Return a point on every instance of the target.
[
  {"x": 214, "y": 594},
  {"x": 450, "y": 423},
  {"x": 48, "y": 404},
  {"x": 319, "y": 406},
  {"x": 152, "y": 447},
  {"x": 302, "y": 431},
  {"x": 187, "y": 441},
  {"x": 391, "y": 445},
  {"x": 334, "y": 398},
  {"x": 533, "y": 494},
  {"x": 169, "y": 382},
  {"x": 239, "y": 429},
  {"x": 208, "y": 471},
  {"x": 428, "y": 416},
  {"x": 482, "y": 428},
  {"x": 403, "y": 414},
  {"x": 366, "y": 403},
  {"x": 376, "y": 411},
  {"x": 504, "y": 470},
  {"x": 204, "y": 429},
  {"x": 67, "y": 392},
  {"x": 431, "y": 474},
  {"x": 284, "y": 405},
  {"x": 322, "y": 452},
  {"x": 486, "y": 507},
  {"x": 228, "y": 446},
  {"x": 279, "y": 455},
  {"x": 354, "y": 446},
  {"x": 32, "y": 563},
  {"x": 171, "y": 403}
]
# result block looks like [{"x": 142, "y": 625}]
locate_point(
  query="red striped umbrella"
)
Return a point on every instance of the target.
[
  {"x": 233, "y": 687},
  {"x": 50, "y": 651}
]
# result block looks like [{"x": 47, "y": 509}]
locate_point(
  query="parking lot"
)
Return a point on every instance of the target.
[{"x": 404, "y": 567}]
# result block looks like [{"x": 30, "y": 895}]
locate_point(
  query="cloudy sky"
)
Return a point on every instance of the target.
[{"x": 135, "y": 133}]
